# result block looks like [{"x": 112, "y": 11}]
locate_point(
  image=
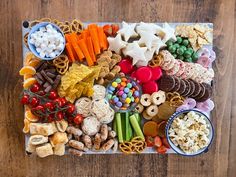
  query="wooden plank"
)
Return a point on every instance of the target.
[{"x": 219, "y": 161}]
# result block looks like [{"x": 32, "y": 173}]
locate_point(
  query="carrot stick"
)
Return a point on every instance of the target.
[
  {"x": 95, "y": 40},
  {"x": 70, "y": 52},
  {"x": 92, "y": 25},
  {"x": 101, "y": 38},
  {"x": 85, "y": 34},
  {"x": 82, "y": 45},
  {"x": 105, "y": 41},
  {"x": 75, "y": 45},
  {"x": 90, "y": 48},
  {"x": 67, "y": 37}
]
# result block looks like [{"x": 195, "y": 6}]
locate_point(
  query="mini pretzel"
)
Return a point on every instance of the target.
[
  {"x": 45, "y": 20},
  {"x": 65, "y": 28},
  {"x": 156, "y": 61},
  {"x": 76, "y": 26},
  {"x": 169, "y": 95},
  {"x": 61, "y": 63},
  {"x": 176, "y": 101},
  {"x": 126, "y": 147},
  {"x": 26, "y": 39},
  {"x": 33, "y": 23}
]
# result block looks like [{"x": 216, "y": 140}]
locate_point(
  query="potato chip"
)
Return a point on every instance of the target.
[{"x": 78, "y": 81}]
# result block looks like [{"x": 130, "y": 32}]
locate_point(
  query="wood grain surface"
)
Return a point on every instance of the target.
[{"x": 220, "y": 161}]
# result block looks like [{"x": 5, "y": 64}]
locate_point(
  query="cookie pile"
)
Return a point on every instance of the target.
[
  {"x": 185, "y": 70},
  {"x": 186, "y": 87},
  {"x": 148, "y": 105}
]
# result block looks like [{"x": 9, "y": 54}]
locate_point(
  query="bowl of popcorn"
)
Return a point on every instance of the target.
[
  {"x": 189, "y": 132},
  {"x": 46, "y": 41}
]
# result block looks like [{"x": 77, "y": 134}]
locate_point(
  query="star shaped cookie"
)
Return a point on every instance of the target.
[
  {"x": 127, "y": 30},
  {"x": 158, "y": 44},
  {"x": 169, "y": 33},
  {"x": 116, "y": 43},
  {"x": 136, "y": 52},
  {"x": 147, "y": 38}
]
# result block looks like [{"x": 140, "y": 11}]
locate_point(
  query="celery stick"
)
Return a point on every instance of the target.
[
  {"x": 127, "y": 127},
  {"x": 114, "y": 126},
  {"x": 136, "y": 126},
  {"x": 123, "y": 124},
  {"x": 119, "y": 127},
  {"x": 138, "y": 118}
]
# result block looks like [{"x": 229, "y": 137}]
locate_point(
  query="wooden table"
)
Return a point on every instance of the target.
[{"x": 219, "y": 161}]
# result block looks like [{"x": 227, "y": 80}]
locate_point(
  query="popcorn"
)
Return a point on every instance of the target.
[
  {"x": 48, "y": 41},
  {"x": 190, "y": 132}
]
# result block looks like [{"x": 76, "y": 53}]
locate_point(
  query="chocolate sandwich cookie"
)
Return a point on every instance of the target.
[
  {"x": 196, "y": 90},
  {"x": 187, "y": 89},
  {"x": 192, "y": 87},
  {"x": 207, "y": 94},
  {"x": 182, "y": 87},
  {"x": 201, "y": 94},
  {"x": 166, "y": 83},
  {"x": 177, "y": 84}
]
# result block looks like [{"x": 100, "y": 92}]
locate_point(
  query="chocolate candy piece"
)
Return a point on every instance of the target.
[
  {"x": 187, "y": 89},
  {"x": 39, "y": 76},
  {"x": 51, "y": 70},
  {"x": 39, "y": 80},
  {"x": 51, "y": 75},
  {"x": 56, "y": 81},
  {"x": 46, "y": 84},
  {"x": 42, "y": 66},
  {"x": 177, "y": 84},
  {"x": 38, "y": 67},
  {"x": 48, "y": 89},
  {"x": 166, "y": 83},
  {"x": 46, "y": 77},
  {"x": 207, "y": 94},
  {"x": 202, "y": 92},
  {"x": 182, "y": 87},
  {"x": 192, "y": 87},
  {"x": 196, "y": 90}
]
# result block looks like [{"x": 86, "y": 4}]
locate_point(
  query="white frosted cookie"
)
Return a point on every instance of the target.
[
  {"x": 99, "y": 92},
  {"x": 99, "y": 108},
  {"x": 108, "y": 117},
  {"x": 83, "y": 106}
]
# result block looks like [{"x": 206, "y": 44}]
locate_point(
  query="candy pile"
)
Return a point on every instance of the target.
[
  {"x": 48, "y": 41},
  {"x": 182, "y": 49},
  {"x": 123, "y": 93}
]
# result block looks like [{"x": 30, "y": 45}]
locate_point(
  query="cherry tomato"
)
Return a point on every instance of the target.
[
  {"x": 52, "y": 95},
  {"x": 78, "y": 119},
  {"x": 115, "y": 28},
  {"x": 25, "y": 99},
  {"x": 59, "y": 115},
  {"x": 40, "y": 108},
  {"x": 165, "y": 142},
  {"x": 35, "y": 88},
  {"x": 70, "y": 119},
  {"x": 41, "y": 93},
  {"x": 50, "y": 106},
  {"x": 63, "y": 101},
  {"x": 58, "y": 102},
  {"x": 70, "y": 109},
  {"x": 107, "y": 29},
  {"x": 157, "y": 141},
  {"x": 50, "y": 118},
  {"x": 34, "y": 102},
  {"x": 161, "y": 149},
  {"x": 149, "y": 141}
]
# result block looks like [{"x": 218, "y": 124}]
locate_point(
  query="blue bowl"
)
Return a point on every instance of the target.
[
  {"x": 177, "y": 149},
  {"x": 36, "y": 28}
]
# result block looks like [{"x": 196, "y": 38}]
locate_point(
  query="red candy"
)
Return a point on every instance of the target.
[
  {"x": 150, "y": 87},
  {"x": 156, "y": 73},
  {"x": 126, "y": 66},
  {"x": 144, "y": 74}
]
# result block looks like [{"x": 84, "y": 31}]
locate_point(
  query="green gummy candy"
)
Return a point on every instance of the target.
[
  {"x": 169, "y": 43},
  {"x": 180, "y": 57},
  {"x": 179, "y": 40},
  {"x": 180, "y": 51},
  {"x": 187, "y": 54},
  {"x": 194, "y": 56},
  {"x": 185, "y": 42},
  {"x": 172, "y": 49},
  {"x": 176, "y": 45}
]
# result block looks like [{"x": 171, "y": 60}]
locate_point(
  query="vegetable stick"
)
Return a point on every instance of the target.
[
  {"x": 105, "y": 41},
  {"x": 93, "y": 25},
  {"x": 75, "y": 45},
  {"x": 136, "y": 126},
  {"x": 95, "y": 40},
  {"x": 101, "y": 38},
  {"x": 70, "y": 52},
  {"x": 85, "y": 34},
  {"x": 119, "y": 127},
  {"x": 90, "y": 48},
  {"x": 68, "y": 39},
  {"x": 83, "y": 46}
]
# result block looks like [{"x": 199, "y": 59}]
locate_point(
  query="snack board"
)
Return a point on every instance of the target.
[{"x": 104, "y": 88}]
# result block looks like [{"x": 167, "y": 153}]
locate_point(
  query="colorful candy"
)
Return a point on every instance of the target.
[{"x": 123, "y": 93}]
